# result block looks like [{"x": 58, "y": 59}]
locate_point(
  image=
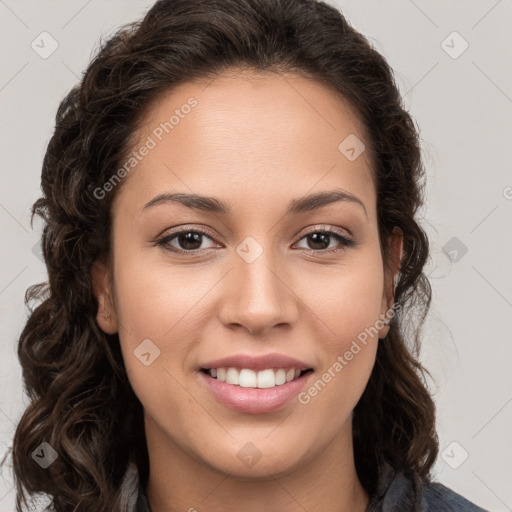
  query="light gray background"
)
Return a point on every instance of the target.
[{"x": 463, "y": 108}]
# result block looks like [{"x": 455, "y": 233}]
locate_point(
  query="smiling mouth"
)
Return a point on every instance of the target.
[{"x": 247, "y": 378}]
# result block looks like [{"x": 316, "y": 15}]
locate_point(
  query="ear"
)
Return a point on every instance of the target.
[
  {"x": 101, "y": 284},
  {"x": 395, "y": 248}
]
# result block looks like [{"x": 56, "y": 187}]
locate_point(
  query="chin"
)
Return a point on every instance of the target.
[
  {"x": 259, "y": 472},
  {"x": 258, "y": 461}
]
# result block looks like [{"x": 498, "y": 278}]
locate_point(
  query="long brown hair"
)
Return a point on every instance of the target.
[{"x": 81, "y": 402}]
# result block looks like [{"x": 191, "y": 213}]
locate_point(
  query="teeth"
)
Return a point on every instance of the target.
[
  {"x": 280, "y": 377},
  {"x": 247, "y": 378},
  {"x": 244, "y": 379},
  {"x": 266, "y": 378},
  {"x": 232, "y": 377}
]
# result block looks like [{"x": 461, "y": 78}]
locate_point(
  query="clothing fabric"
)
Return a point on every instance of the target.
[{"x": 395, "y": 493}]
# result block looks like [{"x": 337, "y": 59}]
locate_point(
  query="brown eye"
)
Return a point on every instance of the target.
[
  {"x": 320, "y": 240},
  {"x": 185, "y": 241},
  {"x": 190, "y": 241}
]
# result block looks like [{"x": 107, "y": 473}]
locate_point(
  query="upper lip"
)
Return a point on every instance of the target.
[{"x": 260, "y": 362}]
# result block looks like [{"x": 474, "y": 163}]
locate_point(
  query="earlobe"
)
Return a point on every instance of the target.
[
  {"x": 105, "y": 315},
  {"x": 397, "y": 251},
  {"x": 388, "y": 297},
  {"x": 395, "y": 260}
]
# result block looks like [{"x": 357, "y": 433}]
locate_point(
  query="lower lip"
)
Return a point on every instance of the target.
[{"x": 255, "y": 400}]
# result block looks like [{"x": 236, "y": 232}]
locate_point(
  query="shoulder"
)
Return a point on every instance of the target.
[
  {"x": 131, "y": 496},
  {"x": 405, "y": 491},
  {"x": 439, "y": 498},
  {"x": 142, "y": 504}
]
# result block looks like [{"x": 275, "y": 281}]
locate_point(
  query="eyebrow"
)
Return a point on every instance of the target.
[{"x": 212, "y": 204}]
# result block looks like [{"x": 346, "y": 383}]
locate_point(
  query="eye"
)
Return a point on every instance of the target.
[
  {"x": 321, "y": 239},
  {"x": 188, "y": 240}
]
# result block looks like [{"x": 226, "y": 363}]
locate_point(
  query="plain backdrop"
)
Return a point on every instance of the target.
[{"x": 452, "y": 64}]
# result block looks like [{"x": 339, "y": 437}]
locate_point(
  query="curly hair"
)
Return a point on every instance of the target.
[{"x": 81, "y": 401}]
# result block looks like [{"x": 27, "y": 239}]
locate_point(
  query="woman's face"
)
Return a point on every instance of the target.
[{"x": 262, "y": 280}]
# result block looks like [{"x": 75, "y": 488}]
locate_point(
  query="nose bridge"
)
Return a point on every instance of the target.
[{"x": 258, "y": 297}]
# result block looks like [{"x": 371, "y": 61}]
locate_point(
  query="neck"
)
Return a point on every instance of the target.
[{"x": 178, "y": 481}]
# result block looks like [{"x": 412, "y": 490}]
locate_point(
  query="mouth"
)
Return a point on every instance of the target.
[
  {"x": 255, "y": 383},
  {"x": 247, "y": 378},
  {"x": 254, "y": 392}
]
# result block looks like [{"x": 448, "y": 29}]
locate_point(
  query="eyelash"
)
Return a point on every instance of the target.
[{"x": 346, "y": 243}]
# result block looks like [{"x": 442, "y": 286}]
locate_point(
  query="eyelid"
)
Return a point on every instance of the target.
[
  {"x": 345, "y": 233},
  {"x": 346, "y": 238},
  {"x": 317, "y": 227},
  {"x": 163, "y": 240},
  {"x": 186, "y": 227}
]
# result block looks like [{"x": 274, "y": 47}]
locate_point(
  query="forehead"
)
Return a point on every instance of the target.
[{"x": 249, "y": 132}]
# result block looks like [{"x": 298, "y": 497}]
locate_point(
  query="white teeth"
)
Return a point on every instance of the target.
[
  {"x": 266, "y": 379},
  {"x": 280, "y": 377},
  {"x": 232, "y": 376},
  {"x": 247, "y": 378}
]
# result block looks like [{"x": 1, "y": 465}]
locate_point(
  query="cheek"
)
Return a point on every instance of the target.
[
  {"x": 349, "y": 307},
  {"x": 155, "y": 300},
  {"x": 349, "y": 299},
  {"x": 167, "y": 307}
]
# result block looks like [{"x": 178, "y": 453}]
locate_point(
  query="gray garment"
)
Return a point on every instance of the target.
[{"x": 395, "y": 493}]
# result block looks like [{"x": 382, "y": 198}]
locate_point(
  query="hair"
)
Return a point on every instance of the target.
[{"x": 81, "y": 401}]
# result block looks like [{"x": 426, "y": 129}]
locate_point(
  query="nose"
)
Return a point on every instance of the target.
[{"x": 258, "y": 295}]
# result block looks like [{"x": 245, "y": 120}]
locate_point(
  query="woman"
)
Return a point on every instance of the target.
[{"x": 229, "y": 201}]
